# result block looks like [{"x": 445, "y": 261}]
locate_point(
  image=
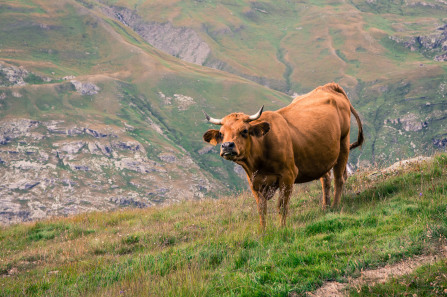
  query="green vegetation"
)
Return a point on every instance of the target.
[{"x": 214, "y": 247}]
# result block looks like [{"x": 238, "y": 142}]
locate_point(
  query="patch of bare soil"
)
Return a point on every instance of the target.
[{"x": 380, "y": 275}]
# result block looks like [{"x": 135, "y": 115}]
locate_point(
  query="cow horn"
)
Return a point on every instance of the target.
[
  {"x": 212, "y": 120},
  {"x": 256, "y": 115}
]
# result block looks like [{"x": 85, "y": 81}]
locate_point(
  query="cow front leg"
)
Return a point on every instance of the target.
[
  {"x": 283, "y": 200},
  {"x": 262, "y": 210},
  {"x": 261, "y": 203}
]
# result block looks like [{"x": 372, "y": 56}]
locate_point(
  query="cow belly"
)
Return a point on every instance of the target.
[
  {"x": 305, "y": 178},
  {"x": 316, "y": 151},
  {"x": 314, "y": 167}
]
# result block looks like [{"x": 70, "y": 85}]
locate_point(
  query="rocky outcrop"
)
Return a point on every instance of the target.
[
  {"x": 411, "y": 122},
  {"x": 56, "y": 168},
  {"x": 185, "y": 43},
  {"x": 440, "y": 141},
  {"x": 16, "y": 128},
  {"x": 140, "y": 166},
  {"x": 182, "y": 102},
  {"x": 400, "y": 165},
  {"x": 86, "y": 88},
  {"x": 433, "y": 43},
  {"x": 181, "y": 42},
  {"x": 128, "y": 201},
  {"x": 408, "y": 122},
  {"x": 167, "y": 157},
  {"x": 12, "y": 75}
]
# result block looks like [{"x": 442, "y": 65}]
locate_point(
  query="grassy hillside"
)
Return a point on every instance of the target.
[{"x": 214, "y": 248}]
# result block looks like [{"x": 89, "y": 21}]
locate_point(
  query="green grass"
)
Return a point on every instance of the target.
[{"x": 214, "y": 247}]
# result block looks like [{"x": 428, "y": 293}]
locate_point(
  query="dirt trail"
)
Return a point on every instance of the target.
[{"x": 380, "y": 275}]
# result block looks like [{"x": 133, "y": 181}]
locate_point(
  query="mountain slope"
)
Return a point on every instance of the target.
[
  {"x": 92, "y": 117},
  {"x": 387, "y": 55}
]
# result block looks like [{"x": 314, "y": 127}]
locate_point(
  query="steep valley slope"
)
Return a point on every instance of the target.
[{"x": 100, "y": 101}]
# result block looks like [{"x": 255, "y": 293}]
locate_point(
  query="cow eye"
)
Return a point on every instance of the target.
[
  {"x": 244, "y": 132},
  {"x": 221, "y": 135}
]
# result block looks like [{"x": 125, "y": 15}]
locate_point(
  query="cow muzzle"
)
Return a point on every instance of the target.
[{"x": 228, "y": 150}]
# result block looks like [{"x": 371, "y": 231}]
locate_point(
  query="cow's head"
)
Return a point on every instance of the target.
[{"x": 236, "y": 134}]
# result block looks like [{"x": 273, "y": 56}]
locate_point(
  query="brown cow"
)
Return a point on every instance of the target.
[{"x": 295, "y": 144}]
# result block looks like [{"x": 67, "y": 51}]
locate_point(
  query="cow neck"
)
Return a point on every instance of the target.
[{"x": 250, "y": 162}]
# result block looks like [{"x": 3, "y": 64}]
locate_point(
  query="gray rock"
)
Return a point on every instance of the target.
[
  {"x": 127, "y": 145},
  {"x": 95, "y": 133},
  {"x": 180, "y": 42},
  {"x": 80, "y": 167},
  {"x": 168, "y": 158},
  {"x": 205, "y": 150},
  {"x": 74, "y": 131},
  {"x": 14, "y": 76},
  {"x": 104, "y": 148},
  {"x": 68, "y": 182},
  {"x": 411, "y": 122},
  {"x": 441, "y": 58},
  {"x": 31, "y": 185},
  {"x": 72, "y": 147},
  {"x": 16, "y": 128},
  {"x": 435, "y": 42},
  {"x": 158, "y": 192},
  {"x": 13, "y": 216},
  {"x": 54, "y": 127},
  {"x": 240, "y": 171},
  {"x": 440, "y": 142},
  {"x": 86, "y": 88},
  {"x": 23, "y": 185},
  {"x": 138, "y": 165},
  {"x": 124, "y": 201}
]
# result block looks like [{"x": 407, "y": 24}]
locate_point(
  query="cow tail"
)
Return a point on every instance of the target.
[{"x": 360, "y": 138}]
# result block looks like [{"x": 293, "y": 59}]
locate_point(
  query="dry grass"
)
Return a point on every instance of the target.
[{"x": 214, "y": 247}]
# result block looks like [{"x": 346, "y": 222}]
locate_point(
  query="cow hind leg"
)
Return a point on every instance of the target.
[
  {"x": 340, "y": 173},
  {"x": 326, "y": 186}
]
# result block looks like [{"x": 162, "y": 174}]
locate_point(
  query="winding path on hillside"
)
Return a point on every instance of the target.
[{"x": 379, "y": 275}]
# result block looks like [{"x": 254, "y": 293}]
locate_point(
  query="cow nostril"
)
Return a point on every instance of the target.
[{"x": 228, "y": 145}]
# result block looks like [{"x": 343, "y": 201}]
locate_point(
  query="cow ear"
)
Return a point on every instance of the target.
[
  {"x": 260, "y": 129},
  {"x": 212, "y": 136}
]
